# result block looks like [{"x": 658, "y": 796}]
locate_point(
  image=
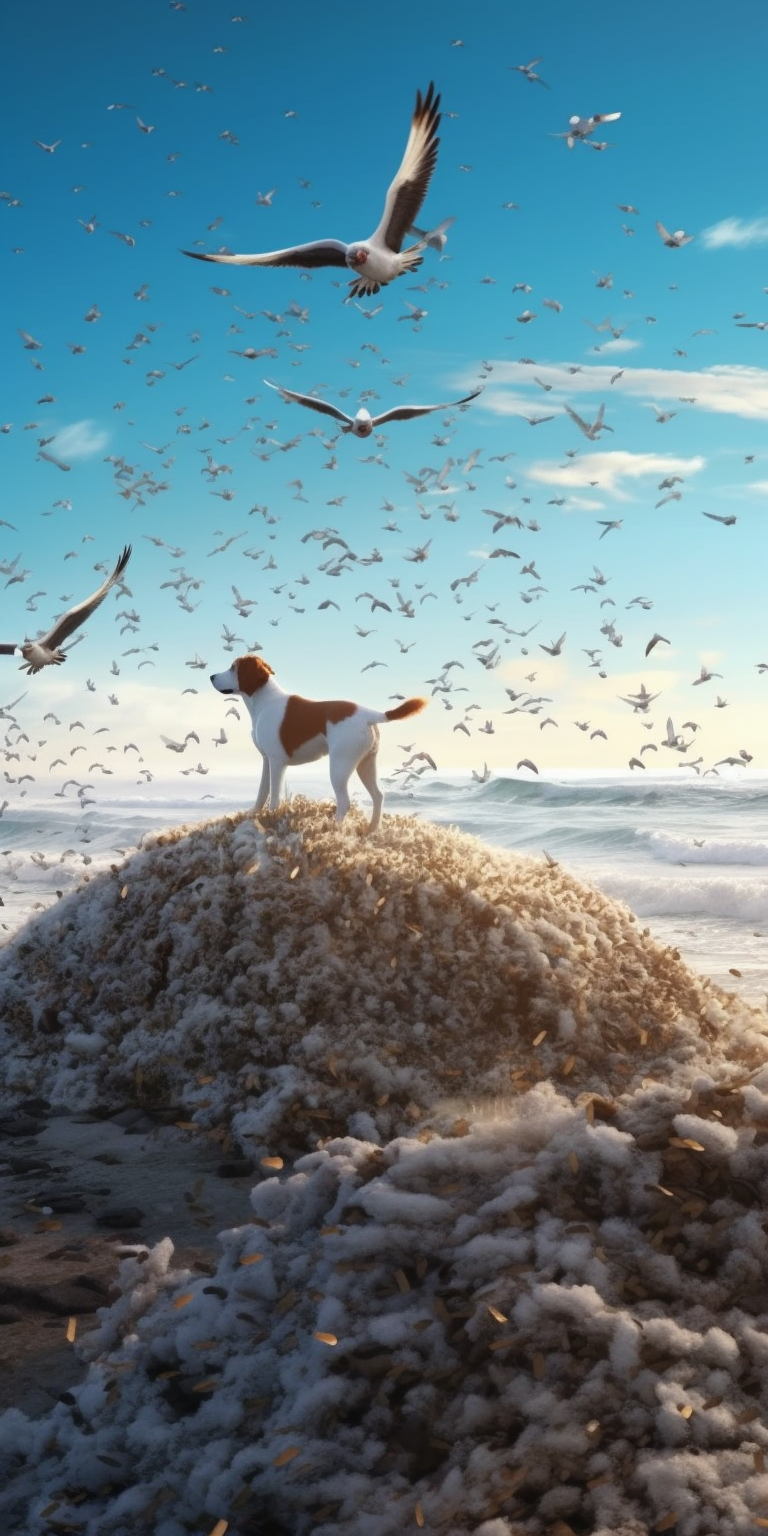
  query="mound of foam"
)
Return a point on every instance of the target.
[
  {"x": 291, "y": 981},
  {"x": 549, "y": 1325},
  {"x": 546, "y": 1318}
]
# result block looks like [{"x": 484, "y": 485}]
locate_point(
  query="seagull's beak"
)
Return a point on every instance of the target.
[{"x": 361, "y": 258}]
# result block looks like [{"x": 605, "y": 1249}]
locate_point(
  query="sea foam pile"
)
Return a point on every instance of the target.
[{"x": 510, "y": 1277}]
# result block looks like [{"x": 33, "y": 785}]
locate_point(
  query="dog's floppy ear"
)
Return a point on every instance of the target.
[{"x": 252, "y": 673}]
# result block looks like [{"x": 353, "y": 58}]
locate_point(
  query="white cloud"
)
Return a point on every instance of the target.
[
  {"x": 759, "y": 485},
  {"x": 611, "y": 468},
  {"x": 618, "y": 344},
  {"x": 80, "y": 440},
  {"x": 738, "y": 232},
  {"x": 725, "y": 388}
]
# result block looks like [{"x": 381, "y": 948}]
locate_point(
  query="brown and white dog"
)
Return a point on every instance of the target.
[{"x": 289, "y": 729}]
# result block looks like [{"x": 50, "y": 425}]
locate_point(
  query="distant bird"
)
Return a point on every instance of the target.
[
  {"x": 655, "y": 640},
  {"x": 363, "y": 424},
  {"x": 379, "y": 259},
  {"x": 591, "y": 429},
  {"x": 50, "y": 149},
  {"x": 525, "y": 762},
  {"x": 45, "y": 652},
  {"x": 727, "y": 522},
  {"x": 180, "y": 746},
  {"x": 676, "y": 240},
  {"x": 482, "y": 778},
  {"x": 434, "y": 239},
  {"x": 555, "y": 648},
  {"x": 580, "y": 128},
  {"x": 530, "y": 72}
]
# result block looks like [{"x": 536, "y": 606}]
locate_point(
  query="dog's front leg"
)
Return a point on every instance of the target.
[
  {"x": 263, "y": 795},
  {"x": 277, "y": 779}
]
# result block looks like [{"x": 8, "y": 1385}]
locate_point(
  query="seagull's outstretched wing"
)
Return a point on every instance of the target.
[
  {"x": 74, "y": 617},
  {"x": 665, "y": 235},
  {"x": 408, "y": 412},
  {"x": 578, "y": 419},
  {"x": 314, "y": 404},
  {"x": 316, "y": 253},
  {"x": 409, "y": 188}
]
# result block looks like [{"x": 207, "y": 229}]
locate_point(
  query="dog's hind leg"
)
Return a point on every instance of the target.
[
  {"x": 341, "y": 768},
  {"x": 366, "y": 772},
  {"x": 263, "y": 795}
]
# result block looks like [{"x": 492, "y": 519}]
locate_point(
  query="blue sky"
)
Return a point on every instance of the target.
[{"x": 684, "y": 152}]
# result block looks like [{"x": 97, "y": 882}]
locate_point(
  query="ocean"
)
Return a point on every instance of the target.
[{"x": 689, "y": 857}]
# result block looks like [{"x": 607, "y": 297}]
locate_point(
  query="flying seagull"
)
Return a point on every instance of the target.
[
  {"x": 676, "y": 240},
  {"x": 580, "y": 128},
  {"x": 591, "y": 429},
  {"x": 529, "y": 71},
  {"x": 379, "y": 259},
  {"x": 45, "y": 652},
  {"x": 434, "y": 239},
  {"x": 363, "y": 424}
]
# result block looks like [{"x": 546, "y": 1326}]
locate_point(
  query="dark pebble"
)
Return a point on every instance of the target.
[
  {"x": 120, "y": 1217},
  {"x": 8, "y": 1238},
  {"x": 68, "y": 1251},
  {"x": 168, "y": 1114},
  {"x": 19, "y": 1125},
  {"x": 84, "y": 1293},
  {"x": 126, "y": 1117},
  {"x": 49, "y": 1022},
  {"x": 236, "y": 1168},
  {"x": 34, "y": 1106},
  {"x": 26, "y": 1165},
  {"x": 64, "y": 1203}
]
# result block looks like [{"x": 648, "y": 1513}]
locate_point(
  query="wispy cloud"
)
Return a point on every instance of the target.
[
  {"x": 725, "y": 389},
  {"x": 619, "y": 344},
  {"x": 80, "y": 440},
  {"x": 738, "y": 232},
  {"x": 610, "y": 469}
]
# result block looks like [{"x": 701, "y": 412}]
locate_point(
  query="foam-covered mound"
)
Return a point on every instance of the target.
[
  {"x": 551, "y": 1320},
  {"x": 293, "y": 981},
  {"x": 549, "y": 1325}
]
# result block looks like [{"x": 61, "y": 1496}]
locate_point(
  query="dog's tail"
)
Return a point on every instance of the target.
[{"x": 409, "y": 707}]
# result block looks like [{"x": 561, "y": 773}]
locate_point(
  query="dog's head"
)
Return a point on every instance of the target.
[{"x": 246, "y": 676}]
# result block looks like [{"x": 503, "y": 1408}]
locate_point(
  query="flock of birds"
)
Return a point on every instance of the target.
[{"x": 374, "y": 262}]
